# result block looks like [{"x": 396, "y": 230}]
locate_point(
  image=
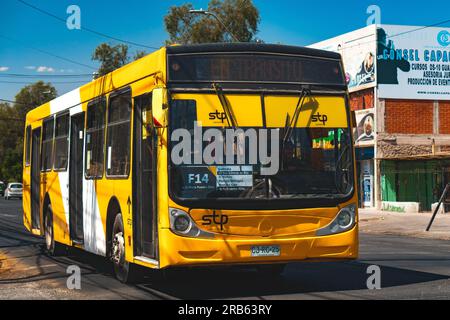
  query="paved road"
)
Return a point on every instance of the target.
[{"x": 411, "y": 268}]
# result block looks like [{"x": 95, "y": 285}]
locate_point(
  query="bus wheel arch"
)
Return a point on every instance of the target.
[
  {"x": 53, "y": 248},
  {"x": 123, "y": 270},
  {"x": 112, "y": 212}
]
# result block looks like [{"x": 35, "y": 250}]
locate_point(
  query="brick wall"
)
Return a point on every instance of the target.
[
  {"x": 361, "y": 99},
  {"x": 444, "y": 117},
  {"x": 409, "y": 116}
]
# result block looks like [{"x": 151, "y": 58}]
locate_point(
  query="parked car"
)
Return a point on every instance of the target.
[
  {"x": 2, "y": 188},
  {"x": 13, "y": 190}
]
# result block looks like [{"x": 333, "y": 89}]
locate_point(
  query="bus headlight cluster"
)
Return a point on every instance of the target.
[
  {"x": 182, "y": 224},
  {"x": 344, "y": 221}
]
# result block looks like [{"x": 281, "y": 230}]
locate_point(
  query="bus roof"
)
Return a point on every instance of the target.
[
  {"x": 252, "y": 47},
  {"x": 155, "y": 62}
]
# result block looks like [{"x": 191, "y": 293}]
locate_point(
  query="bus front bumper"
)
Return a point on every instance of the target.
[{"x": 178, "y": 251}]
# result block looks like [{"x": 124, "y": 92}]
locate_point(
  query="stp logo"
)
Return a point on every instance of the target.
[
  {"x": 217, "y": 115},
  {"x": 319, "y": 118},
  {"x": 218, "y": 219}
]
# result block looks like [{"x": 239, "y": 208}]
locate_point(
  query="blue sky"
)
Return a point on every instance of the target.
[{"x": 286, "y": 21}]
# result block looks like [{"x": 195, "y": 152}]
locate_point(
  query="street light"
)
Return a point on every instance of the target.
[{"x": 208, "y": 13}]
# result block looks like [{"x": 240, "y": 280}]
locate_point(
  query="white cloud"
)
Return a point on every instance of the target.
[
  {"x": 30, "y": 67},
  {"x": 45, "y": 69},
  {"x": 4, "y": 69}
]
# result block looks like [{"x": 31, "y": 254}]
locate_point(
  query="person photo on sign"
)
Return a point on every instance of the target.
[
  {"x": 366, "y": 126},
  {"x": 366, "y": 73},
  {"x": 388, "y": 66}
]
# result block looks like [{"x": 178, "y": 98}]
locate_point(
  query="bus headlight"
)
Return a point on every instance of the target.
[
  {"x": 344, "y": 221},
  {"x": 182, "y": 224}
]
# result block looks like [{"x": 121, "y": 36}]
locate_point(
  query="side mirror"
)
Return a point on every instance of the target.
[
  {"x": 353, "y": 119},
  {"x": 159, "y": 107}
]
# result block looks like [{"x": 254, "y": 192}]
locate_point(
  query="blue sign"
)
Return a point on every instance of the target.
[{"x": 443, "y": 38}]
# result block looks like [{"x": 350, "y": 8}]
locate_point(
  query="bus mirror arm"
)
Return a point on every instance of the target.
[{"x": 159, "y": 108}]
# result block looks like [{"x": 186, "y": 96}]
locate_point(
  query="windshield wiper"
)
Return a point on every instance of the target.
[
  {"x": 231, "y": 118},
  {"x": 289, "y": 126}
]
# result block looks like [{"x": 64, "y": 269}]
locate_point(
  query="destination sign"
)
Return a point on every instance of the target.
[{"x": 254, "y": 68}]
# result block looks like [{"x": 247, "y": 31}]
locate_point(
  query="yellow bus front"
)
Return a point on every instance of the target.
[{"x": 256, "y": 171}]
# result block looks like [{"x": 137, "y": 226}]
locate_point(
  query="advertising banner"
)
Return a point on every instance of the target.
[
  {"x": 413, "y": 62},
  {"x": 365, "y": 128},
  {"x": 358, "y": 49}
]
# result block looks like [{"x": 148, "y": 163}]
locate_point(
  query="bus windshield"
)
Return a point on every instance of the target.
[{"x": 207, "y": 161}]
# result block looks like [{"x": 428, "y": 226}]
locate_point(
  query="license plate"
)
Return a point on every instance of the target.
[{"x": 265, "y": 251}]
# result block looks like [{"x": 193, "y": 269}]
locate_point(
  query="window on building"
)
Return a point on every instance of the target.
[
  {"x": 118, "y": 135},
  {"x": 27, "y": 145},
  {"x": 95, "y": 133},
  {"x": 61, "y": 142},
  {"x": 47, "y": 145}
]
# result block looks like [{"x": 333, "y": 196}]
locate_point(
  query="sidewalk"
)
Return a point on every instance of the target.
[{"x": 405, "y": 224}]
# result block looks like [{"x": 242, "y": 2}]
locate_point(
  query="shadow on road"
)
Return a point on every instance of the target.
[
  {"x": 219, "y": 283},
  {"x": 306, "y": 278}
]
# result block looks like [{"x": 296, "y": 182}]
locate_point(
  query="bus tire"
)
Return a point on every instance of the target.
[
  {"x": 123, "y": 270},
  {"x": 53, "y": 248}
]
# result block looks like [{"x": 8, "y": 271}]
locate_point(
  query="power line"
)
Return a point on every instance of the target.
[
  {"x": 10, "y": 101},
  {"x": 11, "y": 119},
  {"x": 21, "y": 75},
  {"x": 53, "y": 82},
  {"x": 48, "y": 53},
  {"x": 85, "y": 28},
  {"x": 396, "y": 35}
]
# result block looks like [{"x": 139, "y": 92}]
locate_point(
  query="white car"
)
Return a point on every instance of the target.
[{"x": 13, "y": 190}]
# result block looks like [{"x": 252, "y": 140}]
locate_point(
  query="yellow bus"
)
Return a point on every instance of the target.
[{"x": 198, "y": 155}]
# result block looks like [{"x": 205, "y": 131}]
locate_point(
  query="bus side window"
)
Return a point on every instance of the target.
[
  {"x": 118, "y": 136},
  {"x": 47, "y": 145},
  {"x": 61, "y": 142},
  {"x": 27, "y": 145},
  {"x": 95, "y": 133}
]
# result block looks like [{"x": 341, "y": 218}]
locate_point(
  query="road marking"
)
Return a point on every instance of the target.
[{"x": 36, "y": 267}]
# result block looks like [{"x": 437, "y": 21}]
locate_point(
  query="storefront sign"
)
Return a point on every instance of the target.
[
  {"x": 413, "y": 63},
  {"x": 358, "y": 53}
]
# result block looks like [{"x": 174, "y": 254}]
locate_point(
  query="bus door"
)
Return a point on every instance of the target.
[
  {"x": 35, "y": 178},
  {"x": 76, "y": 177},
  {"x": 144, "y": 218}
]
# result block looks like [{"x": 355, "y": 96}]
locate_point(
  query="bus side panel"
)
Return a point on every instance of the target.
[
  {"x": 26, "y": 197},
  {"x": 94, "y": 229},
  {"x": 60, "y": 221},
  {"x": 59, "y": 187}
]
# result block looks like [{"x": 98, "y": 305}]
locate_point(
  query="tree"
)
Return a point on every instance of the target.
[
  {"x": 139, "y": 54},
  {"x": 113, "y": 57},
  {"x": 241, "y": 17},
  {"x": 32, "y": 96},
  {"x": 12, "y": 120}
]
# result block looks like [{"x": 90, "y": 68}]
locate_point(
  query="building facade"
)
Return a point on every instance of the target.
[{"x": 399, "y": 83}]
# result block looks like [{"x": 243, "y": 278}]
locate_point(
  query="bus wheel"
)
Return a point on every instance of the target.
[
  {"x": 53, "y": 247},
  {"x": 123, "y": 270}
]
